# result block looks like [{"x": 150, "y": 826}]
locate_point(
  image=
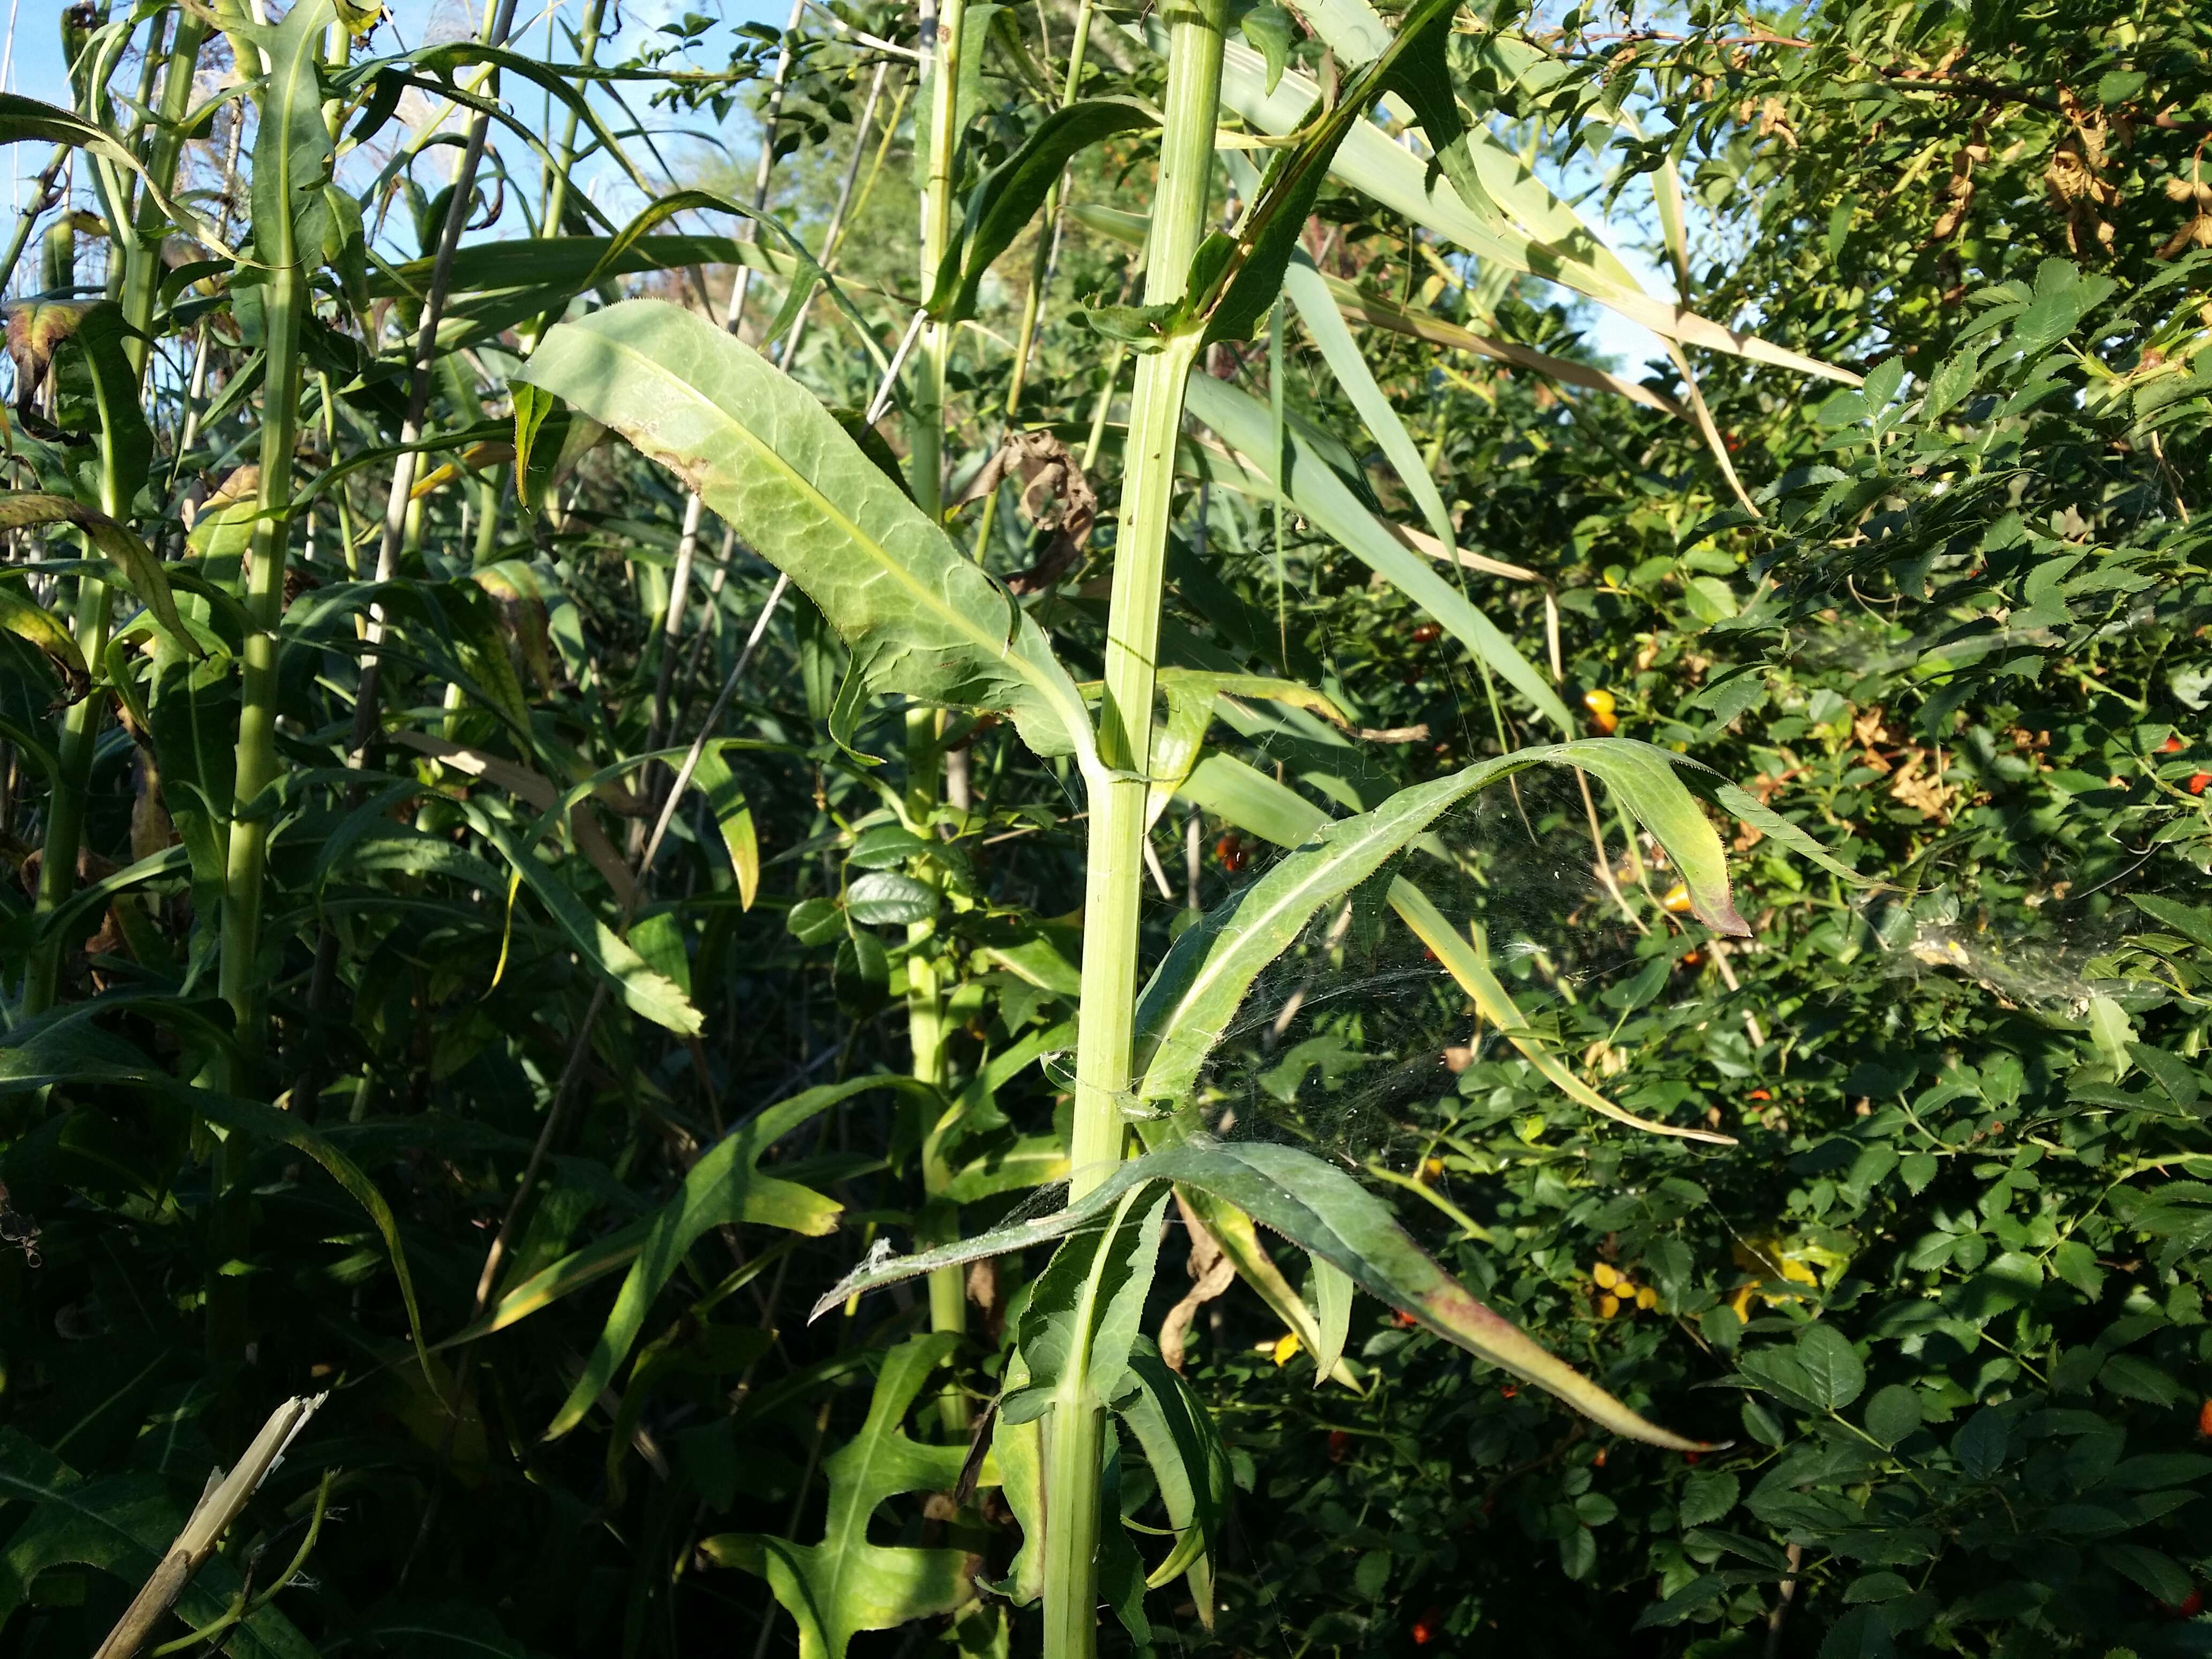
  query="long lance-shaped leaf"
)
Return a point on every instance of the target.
[
  {"x": 1315, "y": 489},
  {"x": 39, "y": 627},
  {"x": 1356, "y": 303},
  {"x": 567, "y": 262},
  {"x": 654, "y": 995},
  {"x": 724, "y": 1188},
  {"x": 27, "y": 120},
  {"x": 141, "y": 572},
  {"x": 1325, "y": 1212},
  {"x": 1372, "y": 309},
  {"x": 922, "y": 618},
  {"x": 1532, "y": 230},
  {"x": 1324, "y": 324},
  {"x": 1194, "y": 996},
  {"x": 1243, "y": 276},
  {"x": 1007, "y": 197},
  {"x": 1191, "y": 1466},
  {"x": 1466, "y": 964}
]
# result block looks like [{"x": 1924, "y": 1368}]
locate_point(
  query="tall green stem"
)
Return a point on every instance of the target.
[
  {"x": 943, "y": 42},
  {"x": 934, "y": 348},
  {"x": 1114, "y": 884},
  {"x": 1116, "y": 873},
  {"x": 140, "y": 262},
  {"x": 241, "y": 982},
  {"x": 556, "y": 178}
]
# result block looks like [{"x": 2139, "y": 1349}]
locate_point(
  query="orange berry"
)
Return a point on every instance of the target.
[
  {"x": 1229, "y": 850},
  {"x": 1340, "y": 1443},
  {"x": 1598, "y": 1461},
  {"x": 1601, "y": 710},
  {"x": 2204, "y": 1419},
  {"x": 1427, "y": 633},
  {"x": 2173, "y": 744},
  {"x": 2197, "y": 783},
  {"x": 1677, "y": 901},
  {"x": 1758, "y": 1094}
]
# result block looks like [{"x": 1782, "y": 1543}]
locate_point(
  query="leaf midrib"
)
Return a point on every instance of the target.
[{"x": 877, "y": 552}]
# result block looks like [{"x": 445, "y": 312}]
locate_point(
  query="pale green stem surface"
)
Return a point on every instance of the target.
[
  {"x": 1115, "y": 878},
  {"x": 924, "y": 1002}
]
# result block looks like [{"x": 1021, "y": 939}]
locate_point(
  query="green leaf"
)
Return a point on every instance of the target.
[
  {"x": 1190, "y": 1465},
  {"x": 921, "y": 618},
  {"x": 2192, "y": 921},
  {"x": 1317, "y": 306},
  {"x": 1081, "y": 1320},
  {"x": 1190, "y": 694},
  {"x": 1834, "y": 1368},
  {"x": 293, "y": 153},
  {"x": 2156, "y": 1571},
  {"x": 2111, "y": 1031},
  {"x": 1331, "y": 1302},
  {"x": 1707, "y": 1496},
  {"x": 844, "y": 1585},
  {"x": 714, "y": 779},
  {"x": 140, "y": 571},
  {"x": 122, "y": 1525},
  {"x": 1238, "y": 293},
  {"x": 1521, "y": 225},
  {"x": 1316, "y": 490},
  {"x": 1005, "y": 199},
  {"x": 1253, "y": 801},
  {"x": 725, "y": 1187},
  {"x": 883, "y": 898},
  {"x": 40, "y": 628},
  {"x": 1194, "y": 994},
  {"x": 1468, "y": 962},
  {"x": 643, "y": 992},
  {"x": 1894, "y": 1413},
  {"x": 1325, "y": 1212},
  {"x": 27, "y": 120}
]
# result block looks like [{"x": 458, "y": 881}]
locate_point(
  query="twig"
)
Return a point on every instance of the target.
[{"x": 219, "y": 1505}]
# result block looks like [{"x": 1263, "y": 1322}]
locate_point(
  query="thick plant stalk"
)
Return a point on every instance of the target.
[
  {"x": 1114, "y": 880},
  {"x": 224, "y": 1500},
  {"x": 1116, "y": 871},
  {"x": 943, "y": 28},
  {"x": 941, "y": 45}
]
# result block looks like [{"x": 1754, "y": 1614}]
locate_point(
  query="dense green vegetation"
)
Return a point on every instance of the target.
[{"x": 569, "y": 774}]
